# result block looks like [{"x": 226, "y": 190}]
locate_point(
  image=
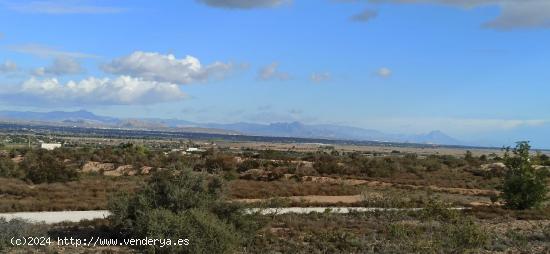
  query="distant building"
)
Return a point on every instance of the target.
[
  {"x": 50, "y": 147},
  {"x": 177, "y": 151},
  {"x": 195, "y": 150}
]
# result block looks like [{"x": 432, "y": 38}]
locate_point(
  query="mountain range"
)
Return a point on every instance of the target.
[{"x": 84, "y": 118}]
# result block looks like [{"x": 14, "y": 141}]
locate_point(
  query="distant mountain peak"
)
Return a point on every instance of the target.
[
  {"x": 78, "y": 113},
  {"x": 437, "y": 137},
  {"x": 278, "y": 129}
]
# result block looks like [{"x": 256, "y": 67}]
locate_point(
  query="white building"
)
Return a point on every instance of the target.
[
  {"x": 195, "y": 150},
  {"x": 50, "y": 147}
]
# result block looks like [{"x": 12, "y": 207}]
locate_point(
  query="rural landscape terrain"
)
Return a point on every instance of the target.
[
  {"x": 427, "y": 198},
  {"x": 274, "y": 126}
]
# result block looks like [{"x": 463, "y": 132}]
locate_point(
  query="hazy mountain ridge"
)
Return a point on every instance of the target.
[
  {"x": 292, "y": 129},
  {"x": 57, "y": 116}
]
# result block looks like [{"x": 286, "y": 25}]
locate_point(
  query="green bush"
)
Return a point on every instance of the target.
[
  {"x": 523, "y": 186},
  {"x": 175, "y": 205},
  {"x": 327, "y": 164},
  {"x": 42, "y": 166},
  {"x": 439, "y": 211},
  {"x": 215, "y": 162},
  {"x": 465, "y": 234},
  {"x": 206, "y": 232},
  {"x": 374, "y": 167},
  {"x": 248, "y": 164},
  {"x": 457, "y": 232},
  {"x": 8, "y": 168}
]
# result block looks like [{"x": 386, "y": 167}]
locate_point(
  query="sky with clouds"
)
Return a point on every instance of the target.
[{"x": 477, "y": 70}]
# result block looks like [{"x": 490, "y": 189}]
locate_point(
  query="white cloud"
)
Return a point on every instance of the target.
[
  {"x": 60, "y": 66},
  {"x": 514, "y": 13},
  {"x": 8, "y": 66},
  {"x": 62, "y": 7},
  {"x": 320, "y": 77},
  {"x": 384, "y": 72},
  {"x": 271, "y": 72},
  {"x": 244, "y": 4},
  {"x": 167, "y": 68},
  {"x": 364, "y": 16},
  {"x": 46, "y": 52},
  {"x": 123, "y": 90}
]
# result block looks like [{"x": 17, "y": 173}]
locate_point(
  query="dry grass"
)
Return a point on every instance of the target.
[
  {"x": 401, "y": 233},
  {"x": 89, "y": 193},
  {"x": 499, "y": 213},
  {"x": 287, "y": 188},
  {"x": 92, "y": 193},
  {"x": 448, "y": 178}
]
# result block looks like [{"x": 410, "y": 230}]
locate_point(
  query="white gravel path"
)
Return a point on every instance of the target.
[
  {"x": 56, "y": 217},
  {"x": 76, "y": 216}
]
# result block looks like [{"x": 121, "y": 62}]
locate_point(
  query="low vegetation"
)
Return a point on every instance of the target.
[
  {"x": 523, "y": 186},
  {"x": 434, "y": 230},
  {"x": 173, "y": 205},
  {"x": 202, "y": 196},
  {"x": 18, "y": 229},
  {"x": 87, "y": 193}
]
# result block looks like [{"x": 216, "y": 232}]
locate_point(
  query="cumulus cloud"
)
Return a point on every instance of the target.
[
  {"x": 513, "y": 13},
  {"x": 61, "y": 66},
  {"x": 243, "y": 4},
  {"x": 365, "y": 16},
  {"x": 271, "y": 72},
  {"x": 320, "y": 77},
  {"x": 62, "y": 7},
  {"x": 166, "y": 68},
  {"x": 384, "y": 72},
  {"x": 46, "y": 52},
  {"x": 123, "y": 90},
  {"x": 8, "y": 66}
]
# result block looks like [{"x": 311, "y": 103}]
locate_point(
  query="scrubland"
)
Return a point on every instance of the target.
[{"x": 91, "y": 178}]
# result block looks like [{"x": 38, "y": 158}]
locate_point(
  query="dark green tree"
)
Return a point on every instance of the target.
[
  {"x": 42, "y": 166},
  {"x": 523, "y": 187},
  {"x": 8, "y": 168}
]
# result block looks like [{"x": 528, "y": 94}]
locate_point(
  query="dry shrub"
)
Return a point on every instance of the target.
[
  {"x": 287, "y": 188},
  {"x": 88, "y": 193}
]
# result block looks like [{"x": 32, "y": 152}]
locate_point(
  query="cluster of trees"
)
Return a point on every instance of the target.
[
  {"x": 356, "y": 164},
  {"x": 8, "y": 168},
  {"x": 37, "y": 166},
  {"x": 330, "y": 163},
  {"x": 60, "y": 165},
  {"x": 229, "y": 166}
]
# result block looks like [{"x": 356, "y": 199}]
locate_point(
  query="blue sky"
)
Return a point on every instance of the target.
[{"x": 475, "y": 69}]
